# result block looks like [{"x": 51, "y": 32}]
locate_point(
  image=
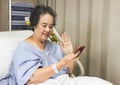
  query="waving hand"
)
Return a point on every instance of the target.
[{"x": 66, "y": 44}]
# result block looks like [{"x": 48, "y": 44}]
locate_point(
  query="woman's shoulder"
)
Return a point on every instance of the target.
[
  {"x": 22, "y": 44},
  {"x": 54, "y": 46}
]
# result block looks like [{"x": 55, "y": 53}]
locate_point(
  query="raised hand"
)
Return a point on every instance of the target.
[{"x": 66, "y": 44}]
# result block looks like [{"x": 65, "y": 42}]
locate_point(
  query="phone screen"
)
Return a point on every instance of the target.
[{"x": 80, "y": 49}]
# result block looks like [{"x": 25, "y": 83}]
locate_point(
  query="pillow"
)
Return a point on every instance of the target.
[{"x": 8, "y": 43}]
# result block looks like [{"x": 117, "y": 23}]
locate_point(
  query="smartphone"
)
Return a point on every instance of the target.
[{"x": 80, "y": 49}]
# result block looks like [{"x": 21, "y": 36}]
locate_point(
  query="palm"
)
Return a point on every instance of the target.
[{"x": 66, "y": 44}]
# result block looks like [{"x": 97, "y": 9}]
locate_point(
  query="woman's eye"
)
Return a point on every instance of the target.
[
  {"x": 51, "y": 27},
  {"x": 44, "y": 26}
]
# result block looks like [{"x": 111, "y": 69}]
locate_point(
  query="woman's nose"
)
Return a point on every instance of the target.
[{"x": 47, "y": 29}]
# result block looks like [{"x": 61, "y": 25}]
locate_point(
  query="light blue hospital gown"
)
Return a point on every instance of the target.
[{"x": 28, "y": 58}]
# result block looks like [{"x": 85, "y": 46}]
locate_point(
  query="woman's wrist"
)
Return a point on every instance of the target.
[
  {"x": 60, "y": 65},
  {"x": 55, "y": 69}
]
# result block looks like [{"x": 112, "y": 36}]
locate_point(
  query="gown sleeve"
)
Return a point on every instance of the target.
[{"x": 25, "y": 62}]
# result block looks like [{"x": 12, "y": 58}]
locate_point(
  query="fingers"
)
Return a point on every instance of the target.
[
  {"x": 77, "y": 54},
  {"x": 65, "y": 37},
  {"x": 76, "y": 57},
  {"x": 73, "y": 56},
  {"x": 61, "y": 45},
  {"x": 70, "y": 58}
]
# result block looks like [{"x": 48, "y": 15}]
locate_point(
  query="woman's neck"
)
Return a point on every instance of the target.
[{"x": 37, "y": 42}]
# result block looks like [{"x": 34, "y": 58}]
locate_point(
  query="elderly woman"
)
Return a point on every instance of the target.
[{"x": 37, "y": 61}]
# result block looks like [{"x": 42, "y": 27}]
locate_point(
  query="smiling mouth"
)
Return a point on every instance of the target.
[{"x": 46, "y": 34}]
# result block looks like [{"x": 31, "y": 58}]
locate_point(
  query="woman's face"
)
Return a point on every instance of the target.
[{"x": 44, "y": 27}]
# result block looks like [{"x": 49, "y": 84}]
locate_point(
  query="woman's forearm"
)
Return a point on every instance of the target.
[
  {"x": 71, "y": 68},
  {"x": 42, "y": 74}
]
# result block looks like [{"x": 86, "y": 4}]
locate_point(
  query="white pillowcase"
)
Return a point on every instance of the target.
[{"x": 8, "y": 43}]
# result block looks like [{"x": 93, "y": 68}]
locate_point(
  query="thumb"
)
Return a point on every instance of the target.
[
  {"x": 77, "y": 54},
  {"x": 61, "y": 45}
]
